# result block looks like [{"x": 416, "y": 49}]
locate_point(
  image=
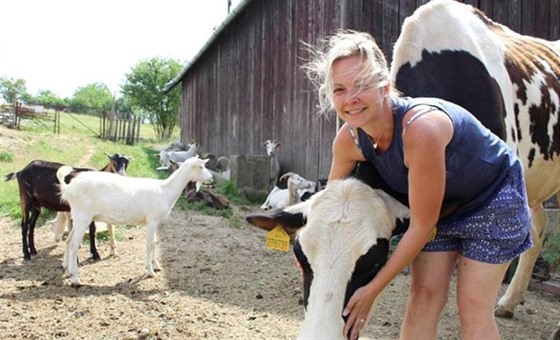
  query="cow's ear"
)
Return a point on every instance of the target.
[
  {"x": 261, "y": 221},
  {"x": 288, "y": 221}
]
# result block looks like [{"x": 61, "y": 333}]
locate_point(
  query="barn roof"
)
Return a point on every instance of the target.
[{"x": 231, "y": 16}]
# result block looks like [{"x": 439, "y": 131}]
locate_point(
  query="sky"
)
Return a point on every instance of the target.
[{"x": 61, "y": 45}]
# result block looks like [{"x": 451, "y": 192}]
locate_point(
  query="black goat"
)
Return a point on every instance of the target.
[{"x": 39, "y": 188}]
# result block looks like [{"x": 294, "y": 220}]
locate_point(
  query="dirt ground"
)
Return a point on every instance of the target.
[{"x": 218, "y": 282}]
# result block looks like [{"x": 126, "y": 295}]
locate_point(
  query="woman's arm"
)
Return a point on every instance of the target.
[{"x": 345, "y": 154}]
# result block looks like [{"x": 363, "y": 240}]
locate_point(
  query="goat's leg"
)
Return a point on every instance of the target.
[
  {"x": 515, "y": 292},
  {"x": 150, "y": 248},
  {"x": 157, "y": 266},
  {"x": 92, "y": 248},
  {"x": 24, "y": 228},
  {"x": 112, "y": 242},
  {"x": 31, "y": 230},
  {"x": 77, "y": 235},
  {"x": 66, "y": 255}
]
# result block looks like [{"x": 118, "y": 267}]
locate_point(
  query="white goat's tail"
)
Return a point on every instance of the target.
[{"x": 61, "y": 176}]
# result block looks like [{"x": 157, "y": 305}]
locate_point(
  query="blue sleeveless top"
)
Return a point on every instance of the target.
[{"x": 476, "y": 160}]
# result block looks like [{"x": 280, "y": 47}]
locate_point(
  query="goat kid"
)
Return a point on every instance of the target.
[
  {"x": 99, "y": 196},
  {"x": 343, "y": 245}
]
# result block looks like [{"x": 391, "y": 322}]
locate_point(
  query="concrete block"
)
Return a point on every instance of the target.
[{"x": 250, "y": 173}]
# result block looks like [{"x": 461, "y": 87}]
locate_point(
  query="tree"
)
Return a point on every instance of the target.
[
  {"x": 143, "y": 89},
  {"x": 91, "y": 99},
  {"x": 48, "y": 99},
  {"x": 12, "y": 89}
]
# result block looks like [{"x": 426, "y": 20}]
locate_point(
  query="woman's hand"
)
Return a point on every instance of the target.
[{"x": 357, "y": 310}]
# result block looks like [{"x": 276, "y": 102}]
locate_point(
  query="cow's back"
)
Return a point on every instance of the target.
[{"x": 510, "y": 82}]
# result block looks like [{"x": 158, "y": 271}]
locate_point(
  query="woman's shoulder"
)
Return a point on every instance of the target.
[{"x": 346, "y": 143}]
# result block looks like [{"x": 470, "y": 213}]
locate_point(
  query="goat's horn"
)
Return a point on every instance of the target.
[{"x": 287, "y": 174}]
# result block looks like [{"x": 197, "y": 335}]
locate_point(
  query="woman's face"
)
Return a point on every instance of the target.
[{"x": 355, "y": 103}]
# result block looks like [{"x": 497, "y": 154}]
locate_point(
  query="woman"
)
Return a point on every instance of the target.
[{"x": 458, "y": 176}]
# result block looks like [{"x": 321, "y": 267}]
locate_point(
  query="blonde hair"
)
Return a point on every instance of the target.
[{"x": 343, "y": 44}]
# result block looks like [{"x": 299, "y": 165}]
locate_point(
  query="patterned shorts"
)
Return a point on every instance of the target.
[{"x": 497, "y": 233}]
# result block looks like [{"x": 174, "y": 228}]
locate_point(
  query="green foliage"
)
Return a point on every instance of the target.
[
  {"x": 229, "y": 190},
  {"x": 91, "y": 99},
  {"x": 143, "y": 89},
  {"x": 6, "y": 157},
  {"x": 202, "y": 207},
  {"x": 49, "y": 99},
  {"x": 12, "y": 90},
  {"x": 104, "y": 235},
  {"x": 551, "y": 251}
]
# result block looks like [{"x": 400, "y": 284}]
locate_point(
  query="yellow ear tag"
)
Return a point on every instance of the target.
[
  {"x": 432, "y": 234},
  {"x": 278, "y": 239}
]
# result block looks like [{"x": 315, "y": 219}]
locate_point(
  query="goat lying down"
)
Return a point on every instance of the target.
[
  {"x": 343, "y": 245},
  {"x": 297, "y": 187},
  {"x": 109, "y": 198}
]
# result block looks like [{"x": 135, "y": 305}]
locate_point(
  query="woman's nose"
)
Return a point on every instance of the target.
[{"x": 351, "y": 97}]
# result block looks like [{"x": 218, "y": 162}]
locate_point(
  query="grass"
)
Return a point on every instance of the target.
[{"x": 551, "y": 252}]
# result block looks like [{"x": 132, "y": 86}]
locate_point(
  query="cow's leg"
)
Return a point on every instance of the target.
[
  {"x": 556, "y": 334},
  {"x": 515, "y": 292}
]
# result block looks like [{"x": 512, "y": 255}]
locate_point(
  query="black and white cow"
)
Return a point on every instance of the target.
[
  {"x": 510, "y": 82},
  {"x": 344, "y": 244}
]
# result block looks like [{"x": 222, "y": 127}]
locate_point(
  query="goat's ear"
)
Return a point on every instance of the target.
[{"x": 108, "y": 155}]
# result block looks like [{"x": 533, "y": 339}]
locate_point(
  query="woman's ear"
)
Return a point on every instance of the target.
[{"x": 386, "y": 90}]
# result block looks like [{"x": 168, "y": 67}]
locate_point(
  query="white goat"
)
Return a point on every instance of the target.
[
  {"x": 271, "y": 147},
  {"x": 110, "y": 198},
  {"x": 280, "y": 198},
  {"x": 343, "y": 245},
  {"x": 118, "y": 163},
  {"x": 165, "y": 156}
]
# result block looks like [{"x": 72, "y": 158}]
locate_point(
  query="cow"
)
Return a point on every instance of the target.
[
  {"x": 509, "y": 81},
  {"x": 343, "y": 245}
]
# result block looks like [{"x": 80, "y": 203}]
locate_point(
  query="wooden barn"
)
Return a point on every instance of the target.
[{"x": 246, "y": 85}]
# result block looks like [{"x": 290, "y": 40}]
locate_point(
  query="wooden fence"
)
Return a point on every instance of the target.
[
  {"x": 120, "y": 129},
  {"x": 12, "y": 115}
]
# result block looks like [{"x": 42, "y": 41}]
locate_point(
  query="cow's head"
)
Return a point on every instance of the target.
[{"x": 343, "y": 245}]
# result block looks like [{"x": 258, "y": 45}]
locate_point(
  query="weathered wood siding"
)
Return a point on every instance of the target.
[{"x": 248, "y": 86}]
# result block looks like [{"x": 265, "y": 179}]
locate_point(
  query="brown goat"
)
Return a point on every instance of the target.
[
  {"x": 39, "y": 188},
  {"x": 209, "y": 198}
]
